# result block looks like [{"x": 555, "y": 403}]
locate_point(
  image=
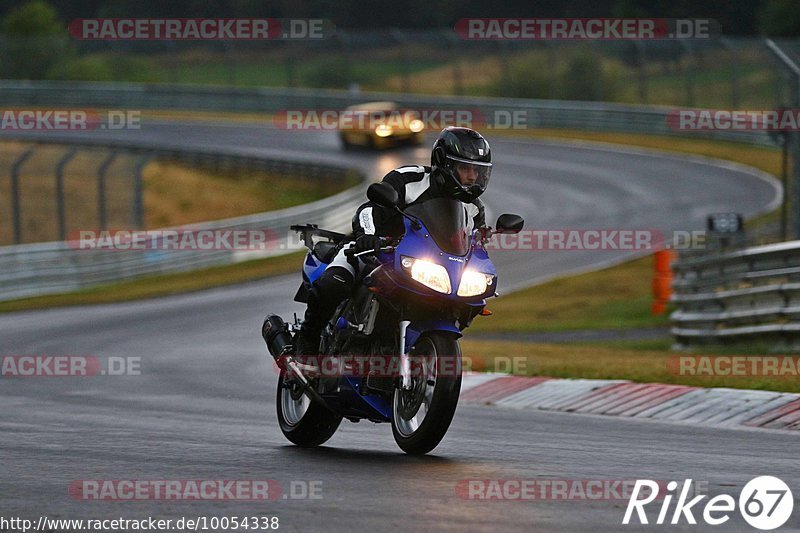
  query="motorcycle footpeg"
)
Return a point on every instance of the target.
[{"x": 294, "y": 369}]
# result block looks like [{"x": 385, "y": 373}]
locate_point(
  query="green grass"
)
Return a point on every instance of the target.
[
  {"x": 616, "y": 297},
  {"x": 273, "y": 73},
  {"x": 592, "y": 361},
  {"x": 430, "y": 70}
]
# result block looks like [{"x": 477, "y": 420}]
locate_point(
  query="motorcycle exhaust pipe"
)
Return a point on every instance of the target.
[
  {"x": 279, "y": 342},
  {"x": 275, "y": 333}
]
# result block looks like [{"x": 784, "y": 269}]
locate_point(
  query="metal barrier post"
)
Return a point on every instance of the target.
[
  {"x": 15, "y": 203},
  {"x": 101, "y": 189},
  {"x": 62, "y": 218},
  {"x": 138, "y": 189}
]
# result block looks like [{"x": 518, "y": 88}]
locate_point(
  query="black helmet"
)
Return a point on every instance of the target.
[{"x": 459, "y": 148}]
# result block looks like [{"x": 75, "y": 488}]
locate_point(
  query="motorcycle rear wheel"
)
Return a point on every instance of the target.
[{"x": 302, "y": 421}]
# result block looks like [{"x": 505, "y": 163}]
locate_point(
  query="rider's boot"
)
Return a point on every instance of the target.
[{"x": 324, "y": 297}]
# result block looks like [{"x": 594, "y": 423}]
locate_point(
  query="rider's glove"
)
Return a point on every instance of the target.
[{"x": 367, "y": 242}]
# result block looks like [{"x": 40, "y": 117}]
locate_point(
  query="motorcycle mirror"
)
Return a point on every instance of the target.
[
  {"x": 508, "y": 223},
  {"x": 382, "y": 194}
]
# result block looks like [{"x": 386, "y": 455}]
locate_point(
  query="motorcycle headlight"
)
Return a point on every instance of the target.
[
  {"x": 429, "y": 274},
  {"x": 474, "y": 283}
]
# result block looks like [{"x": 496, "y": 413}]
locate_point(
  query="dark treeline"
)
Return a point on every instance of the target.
[{"x": 736, "y": 17}]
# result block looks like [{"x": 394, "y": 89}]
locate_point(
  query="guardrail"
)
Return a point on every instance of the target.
[
  {"x": 741, "y": 295},
  {"x": 496, "y": 112},
  {"x": 46, "y": 268}
]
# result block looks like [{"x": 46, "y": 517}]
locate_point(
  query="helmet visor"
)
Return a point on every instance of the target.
[{"x": 470, "y": 173}]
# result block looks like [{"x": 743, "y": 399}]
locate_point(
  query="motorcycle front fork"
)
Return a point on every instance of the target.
[{"x": 405, "y": 364}]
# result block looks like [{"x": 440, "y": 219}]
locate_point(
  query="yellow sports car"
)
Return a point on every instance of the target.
[{"x": 380, "y": 125}]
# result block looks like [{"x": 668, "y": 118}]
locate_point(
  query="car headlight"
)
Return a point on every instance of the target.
[
  {"x": 429, "y": 274},
  {"x": 383, "y": 130},
  {"x": 474, "y": 283},
  {"x": 416, "y": 125}
]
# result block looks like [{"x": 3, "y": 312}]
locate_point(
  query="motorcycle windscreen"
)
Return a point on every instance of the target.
[{"x": 446, "y": 220}]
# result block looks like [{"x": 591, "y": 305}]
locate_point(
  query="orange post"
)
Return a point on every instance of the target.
[{"x": 662, "y": 280}]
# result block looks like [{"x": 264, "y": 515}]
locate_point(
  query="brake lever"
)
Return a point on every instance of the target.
[
  {"x": 485, "y": 233},
  {"x": 366, "y": 252}
]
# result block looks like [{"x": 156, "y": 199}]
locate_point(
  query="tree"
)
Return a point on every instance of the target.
[
  {"x": 780, "y": 18},
  {"x": 33, "y": 40}
]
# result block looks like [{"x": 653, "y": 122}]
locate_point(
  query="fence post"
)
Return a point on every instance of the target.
[
  {"x": 101, "y": 189},
  {"x": 62, "y": 217},
  {"x": 793, "y": 139},
  {"x": 138, "y": 189},
  {"x": 15, "y": 203}
]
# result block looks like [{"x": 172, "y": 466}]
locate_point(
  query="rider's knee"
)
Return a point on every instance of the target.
[{"x": 335, "y": 283}]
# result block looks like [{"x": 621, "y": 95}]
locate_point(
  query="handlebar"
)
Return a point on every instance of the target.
[{"x": 385, "y": 247}]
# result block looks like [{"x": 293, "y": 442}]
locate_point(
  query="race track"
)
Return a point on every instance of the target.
[{"x": 203, "y": 406}]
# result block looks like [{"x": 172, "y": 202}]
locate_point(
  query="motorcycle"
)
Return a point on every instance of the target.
[{"x": 391, "y": 351}]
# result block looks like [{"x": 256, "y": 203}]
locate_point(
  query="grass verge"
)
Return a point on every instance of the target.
[
  {"x": 596, "y": 361},
  {"x": 163, "y": 284},
  {"x": 616, "y": 297}
]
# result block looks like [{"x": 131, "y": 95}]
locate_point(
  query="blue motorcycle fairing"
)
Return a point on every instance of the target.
[
  {"x": 313, "y": 268},
  {"x": 418, "y": 244},
  {"x": 416, "y": 329},
  {"x": 351, "y": 386}
]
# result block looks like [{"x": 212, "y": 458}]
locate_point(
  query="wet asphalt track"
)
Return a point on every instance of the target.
[{"x": 203, "y": 406}]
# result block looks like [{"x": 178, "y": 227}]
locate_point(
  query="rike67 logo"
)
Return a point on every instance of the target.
[{"x": 765, "y": 503}]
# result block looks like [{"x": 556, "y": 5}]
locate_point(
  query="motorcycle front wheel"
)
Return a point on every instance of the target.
[{"x": 422, "y": 415}]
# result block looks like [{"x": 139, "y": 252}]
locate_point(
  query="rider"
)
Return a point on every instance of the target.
[{"x": 460, "y": 169}]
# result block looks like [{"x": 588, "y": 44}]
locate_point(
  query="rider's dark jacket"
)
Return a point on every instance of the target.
[{"x": 414, "y": 184}]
